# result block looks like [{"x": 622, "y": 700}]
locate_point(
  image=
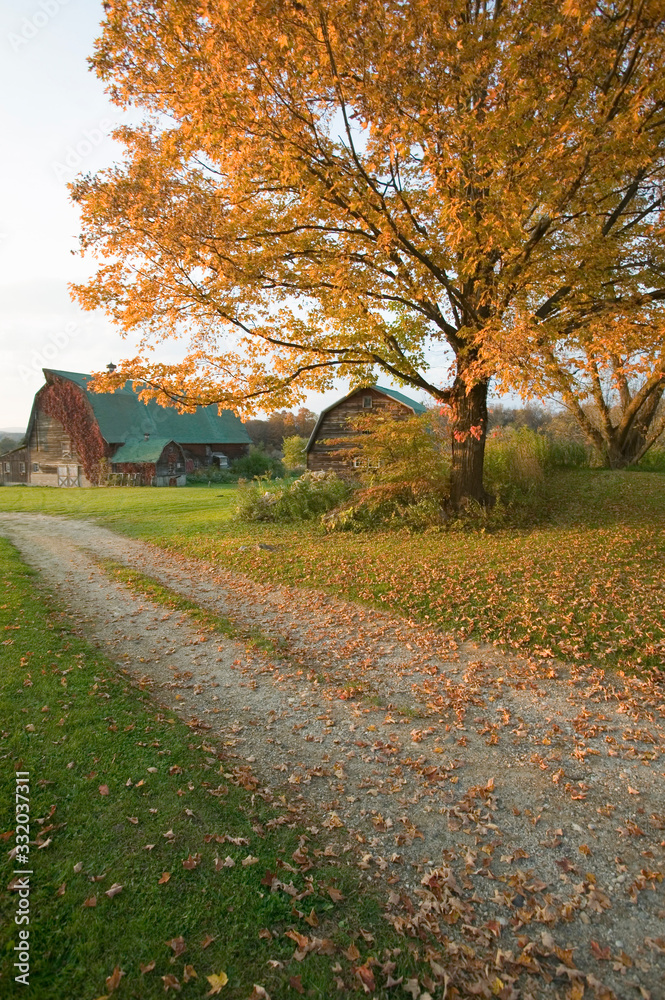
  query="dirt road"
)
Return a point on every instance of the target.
[{"x": 518, "y": 804}]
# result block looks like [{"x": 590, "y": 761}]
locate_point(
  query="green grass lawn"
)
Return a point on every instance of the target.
[
  {"x": 111, "y": 774},
  {"x": 585, "y": 583}
]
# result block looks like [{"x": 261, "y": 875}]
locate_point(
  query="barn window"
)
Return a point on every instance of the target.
[
  {"x": 6, "y": 467},
  {"x": 21, "y": 468},
  {"x": 366, "y": 463},
  {"x": 35, "y": 467},
  {"x": 367, "y": 402}
]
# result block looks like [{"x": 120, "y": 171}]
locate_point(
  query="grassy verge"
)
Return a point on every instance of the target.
[
  {"x": 205, "y": 620},
  {"x": 123, "y": 794},
  {"x": 585, "y": 585}
]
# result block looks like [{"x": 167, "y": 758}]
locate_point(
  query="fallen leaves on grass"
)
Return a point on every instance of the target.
[
  {"x": 217, "y": 982},
  {"x": 165, "y": 876},
  {"x": 178, "y": 945},
  {"x": 113, "y": 981},
  {"x": 114, "y": 890}
]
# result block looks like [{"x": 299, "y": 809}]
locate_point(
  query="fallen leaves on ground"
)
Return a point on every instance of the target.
[
  {"x": 113, "y": 981},
  {"x": 218, "y": 981}
]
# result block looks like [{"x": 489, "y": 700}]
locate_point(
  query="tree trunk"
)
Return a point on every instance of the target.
[{"x": 469, "y": 430}]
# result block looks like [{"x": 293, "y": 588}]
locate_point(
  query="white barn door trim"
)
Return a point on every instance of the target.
[{"x": 69, "y": 475}]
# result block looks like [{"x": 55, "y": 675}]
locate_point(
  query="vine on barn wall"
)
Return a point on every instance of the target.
[
  {"x": 147, "y": 470},
  {"x": 66, "y": 403}
]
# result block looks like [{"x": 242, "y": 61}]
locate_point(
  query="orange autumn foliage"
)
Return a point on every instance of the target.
[{"x": 317, "y": 191}]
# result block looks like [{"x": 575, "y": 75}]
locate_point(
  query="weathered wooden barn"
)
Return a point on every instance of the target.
[
  {"x": 80, "y": 438},
  {"x": 334, "y": 433}
]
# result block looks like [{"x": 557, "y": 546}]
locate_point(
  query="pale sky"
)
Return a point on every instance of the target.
[{"x": 55, "y": 118}]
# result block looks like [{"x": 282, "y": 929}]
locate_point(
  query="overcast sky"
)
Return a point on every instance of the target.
[{"x": 55, "y": 120}]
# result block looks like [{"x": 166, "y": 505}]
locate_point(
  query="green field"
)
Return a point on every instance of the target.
[
  {"x": 586, "y": 583},
  {"x": 109, "y": 774}
]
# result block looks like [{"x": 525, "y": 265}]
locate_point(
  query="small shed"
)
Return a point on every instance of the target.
[
  {"x": 152, "y": 461},
  {"x": 324, "y": 450},
  {"x": 14, "y": 466}
]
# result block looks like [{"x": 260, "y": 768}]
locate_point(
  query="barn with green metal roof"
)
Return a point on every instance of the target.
[{"x": 77, "y": 437}]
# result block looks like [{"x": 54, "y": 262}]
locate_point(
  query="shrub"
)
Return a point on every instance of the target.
[
  {"x": 256, "y": 463},
  {"x": 411, "y": 450},
  {"x": 414, "y": 505},
  {"x": 209, "y": 475},
  {"x": 653, "y": 461},
  {"x": 304, "y": 499},
  {"x": 295, "y": 456},
  {"x": 514, "y": 459},
  {"x": 406, "y": 466}
]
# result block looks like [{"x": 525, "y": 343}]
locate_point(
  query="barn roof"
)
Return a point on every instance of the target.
[
  {"x": 141, "y": 450},
  {"x": 413, "y": 404},
  {"x": 122, "y": 417}
]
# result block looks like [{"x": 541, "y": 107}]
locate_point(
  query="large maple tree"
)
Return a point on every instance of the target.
[{"x": 327, "y": 190}]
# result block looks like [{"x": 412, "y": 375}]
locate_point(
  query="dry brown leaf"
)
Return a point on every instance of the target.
[
  {"x": 366, "y": 977},
  {"x": 114, "y": 890},
  {"x": 171, "y": 983},
  {"x": 165, "y": 876},
  {"x": 113, "y": 981},
  {"x": 177, "y": 944},
  {"x": 148, "y": 967}
]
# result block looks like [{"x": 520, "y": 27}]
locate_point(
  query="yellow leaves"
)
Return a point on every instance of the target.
[{"x": 217, "y": 982}]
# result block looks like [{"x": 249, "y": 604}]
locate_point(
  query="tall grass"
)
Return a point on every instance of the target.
[{"x": 653, "y": 461}]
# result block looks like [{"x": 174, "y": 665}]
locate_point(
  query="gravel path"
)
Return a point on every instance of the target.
[{"x": 517, "y": 805}]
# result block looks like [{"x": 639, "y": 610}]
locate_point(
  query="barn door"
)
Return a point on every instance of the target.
[{"x": 68, "y": 475}]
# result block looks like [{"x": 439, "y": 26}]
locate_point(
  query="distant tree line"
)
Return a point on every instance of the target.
[
  {"x": 9, "y": 441},
  {"x": 269, "y": 434}
]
